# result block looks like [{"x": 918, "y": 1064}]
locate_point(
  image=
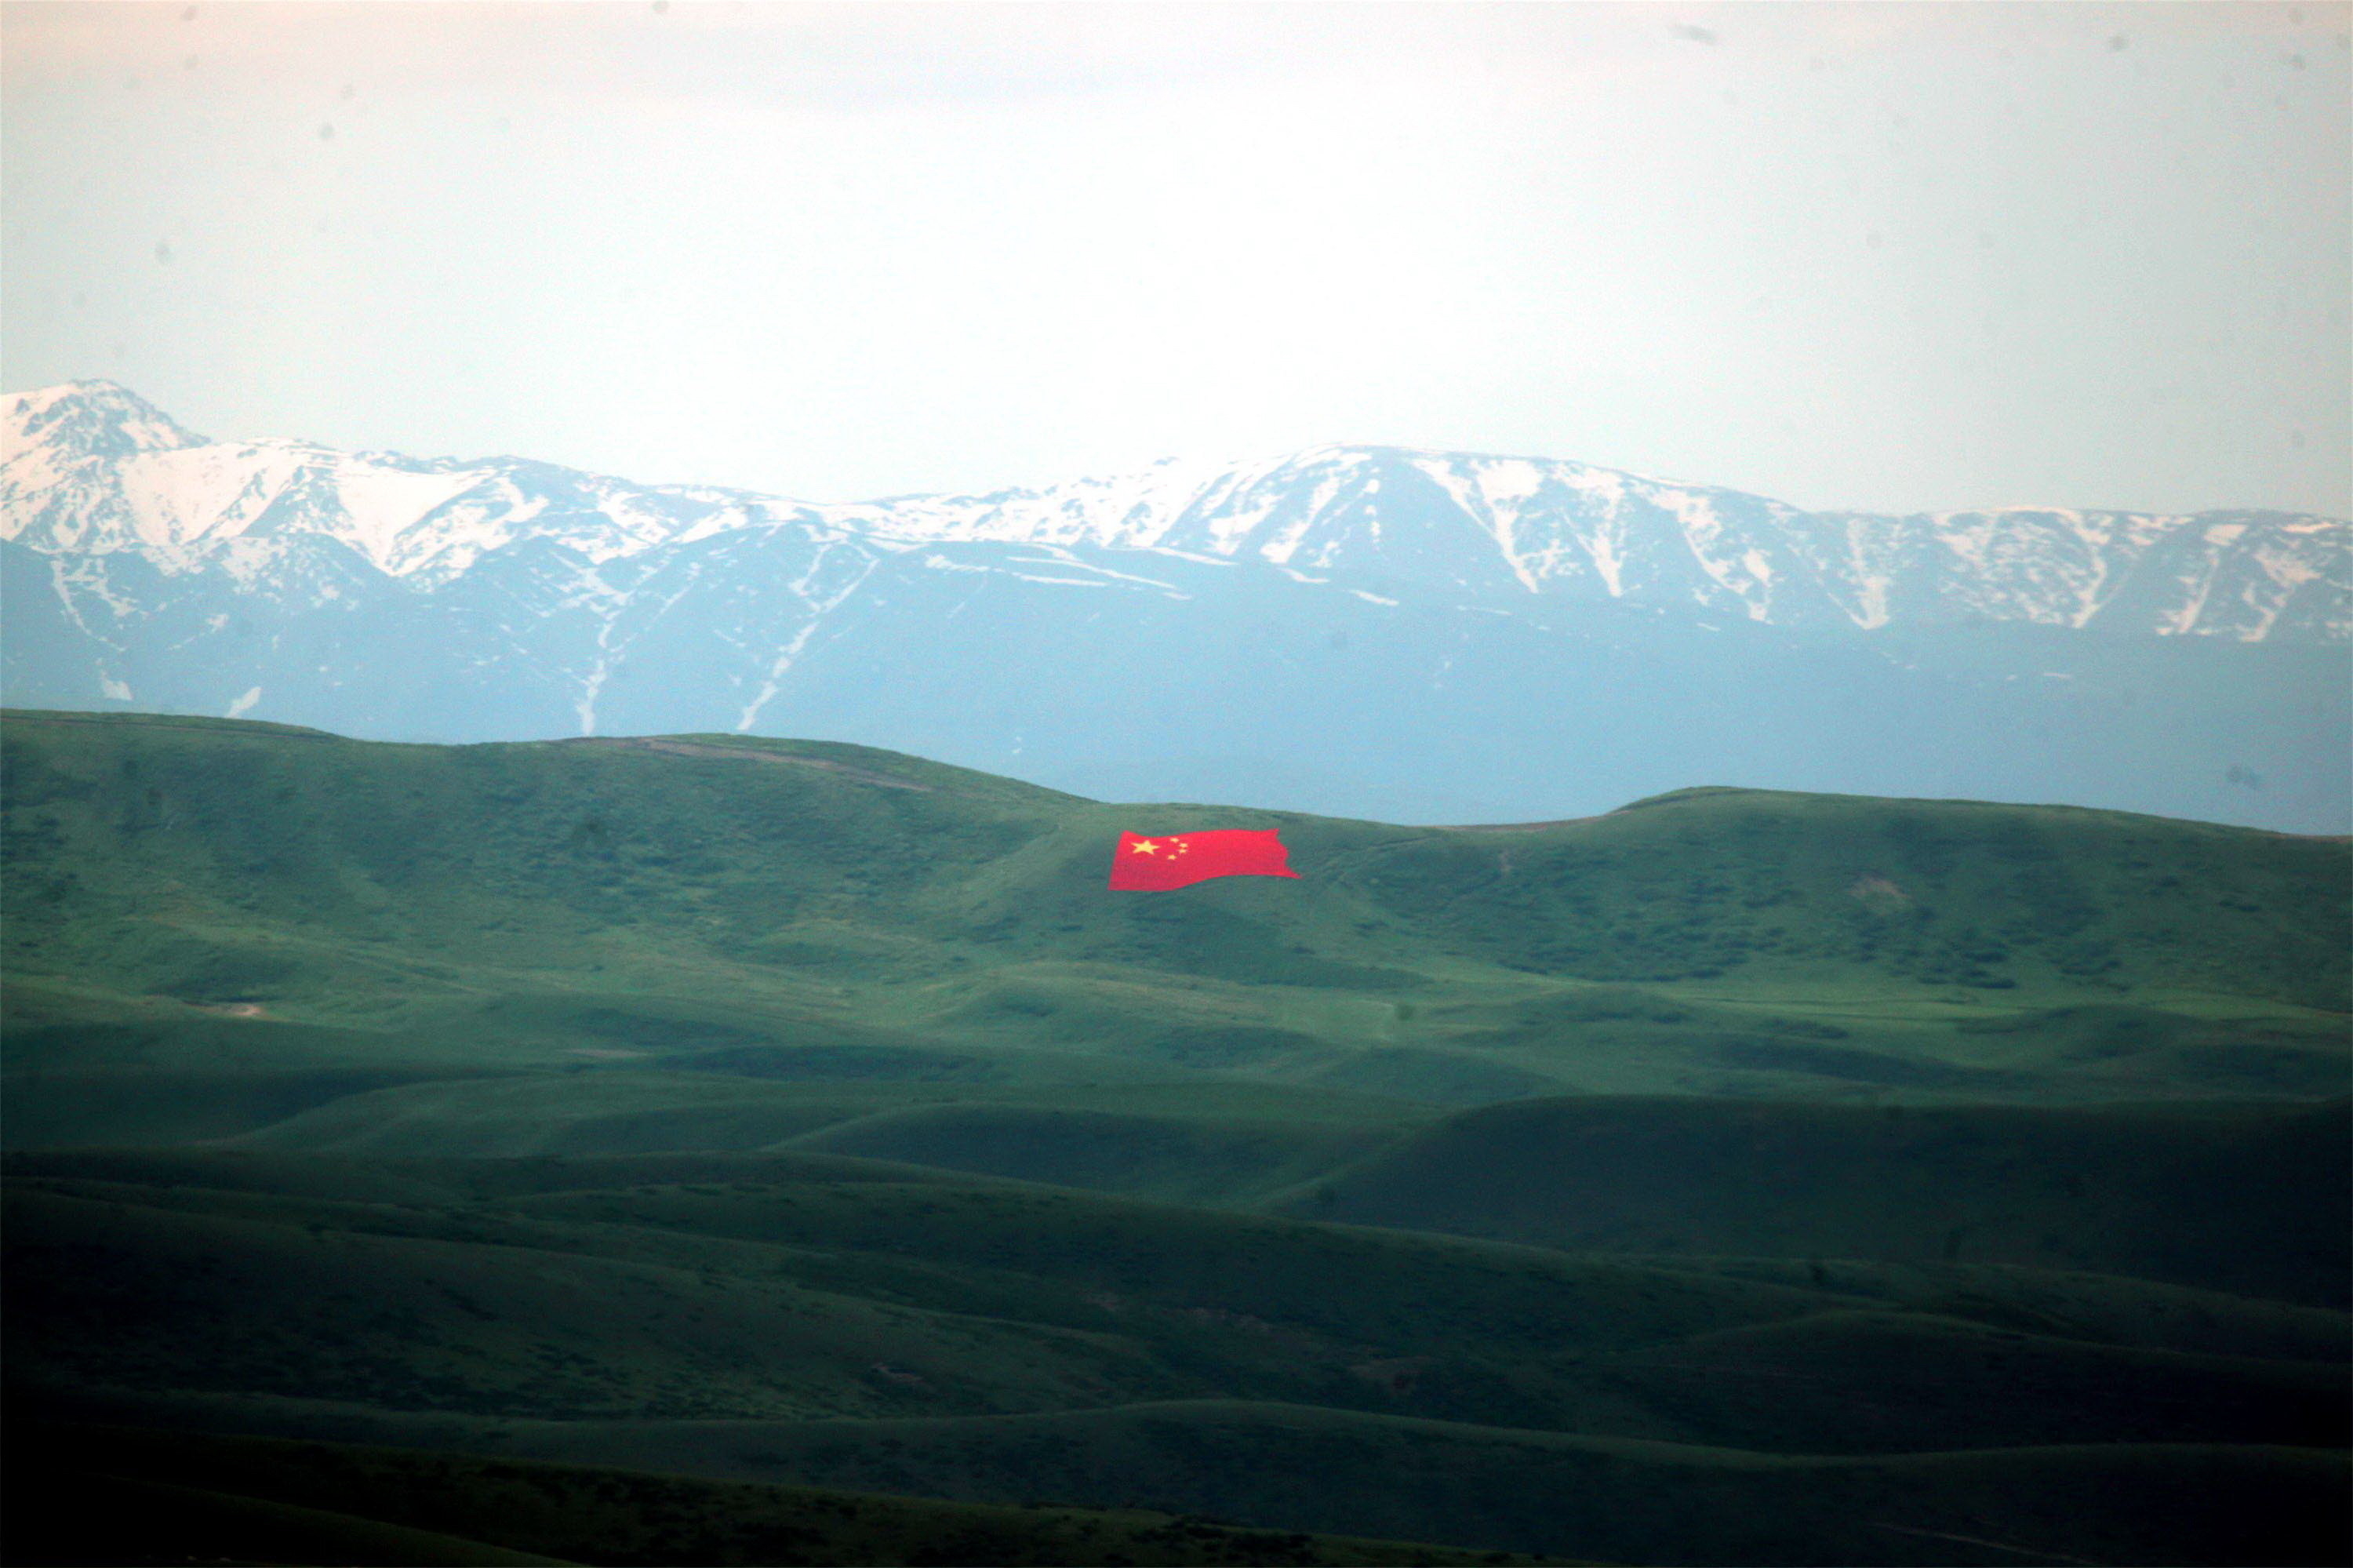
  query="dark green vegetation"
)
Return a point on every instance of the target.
[
  {"x": 2158, "y": 1192},
  {"x": 97, "y": 1495},
  {"x": 1738, "y": 1177}
]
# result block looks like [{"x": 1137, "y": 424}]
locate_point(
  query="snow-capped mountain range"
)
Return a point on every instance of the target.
[
  {"x": 1465, "y": 602},
  {"x": 93, "y": 470}
]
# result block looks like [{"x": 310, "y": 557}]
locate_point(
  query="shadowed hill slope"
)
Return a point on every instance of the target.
[
  {"x": 96, "y": 1495},
  {"x": 822, "y": 1320},
  {"x": 2153, "y": 1192}
]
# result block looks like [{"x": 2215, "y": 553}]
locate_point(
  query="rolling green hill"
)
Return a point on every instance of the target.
[
  {"x": 210, "y": 898},
  {"x": 612, "y": 1133},
  {"x": 99, "y": 1495},
  {"x": 2156, "y": 1192},
  {"x": 814, "y": 1319}
]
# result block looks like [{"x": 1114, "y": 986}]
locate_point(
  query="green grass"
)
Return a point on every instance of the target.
[
  {"x": 1737, "y": 1177},
  {"x": 1288, "y": 1468},
  {"x": 76, "y": 1516},
  {"x": 2162, "y": 1192},
  {"x": 113, "y": 1496},
  {"x": 777, "y": 910},
  {"x": 806, "y": 1286},
  {"x": 1613, "y": 1499},
  {"x": 1195, "y": 1158}
]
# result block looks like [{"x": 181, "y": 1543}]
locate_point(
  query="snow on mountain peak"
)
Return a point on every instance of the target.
[
  {"x": 87, "y": 419},
  {"x": 93, "y": 469}
]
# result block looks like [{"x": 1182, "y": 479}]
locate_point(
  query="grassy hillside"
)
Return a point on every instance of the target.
[
  {"x": 2149, "y": 1192},
  {"x": 818, "y": 1320},
  {"x": 1614, "y": 1500},
  {"x": 255, "y": 909},
  {"x": 1617, "y": 1500},
  {"x": 1737, "y": 1177},
  {"x": 114, "y": 1496}
]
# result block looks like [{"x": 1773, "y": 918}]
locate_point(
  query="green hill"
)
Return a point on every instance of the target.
[
  {"x": 2155, "y": 1192},
  {"x": 563, "y": 1304},
  {"x": 1286, "y": 1467},
  {"x": 99, "y": 1495},
  {"x": 711, "y": 1149},
  {"x": 821, "y": 1321},
  {"x": 223, "y": 900}
]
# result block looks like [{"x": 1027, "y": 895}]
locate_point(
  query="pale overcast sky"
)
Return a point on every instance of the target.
[{"x": 1892, "y": 257}]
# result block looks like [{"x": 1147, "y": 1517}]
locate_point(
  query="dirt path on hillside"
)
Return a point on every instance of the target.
[{"x": 746, "y": 754}]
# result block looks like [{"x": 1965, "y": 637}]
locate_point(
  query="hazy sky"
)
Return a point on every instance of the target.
[{"x": 1895, "y": 257}]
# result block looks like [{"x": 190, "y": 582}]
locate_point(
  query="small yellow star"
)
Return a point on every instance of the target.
[
  {"x": 1178, "y": 846},
  {"x": 1145, "y": 846}
]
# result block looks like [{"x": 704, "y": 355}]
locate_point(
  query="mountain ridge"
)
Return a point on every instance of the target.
[
  {"x": 1355, "y": 631},
  {"x": 1543, "y": 525}
]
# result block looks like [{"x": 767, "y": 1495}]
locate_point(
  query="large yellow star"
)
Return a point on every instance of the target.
[{"x": 1145, "y": 846}]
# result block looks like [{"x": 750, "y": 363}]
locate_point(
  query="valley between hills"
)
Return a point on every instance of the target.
[{"x": 714, "y": 1149}]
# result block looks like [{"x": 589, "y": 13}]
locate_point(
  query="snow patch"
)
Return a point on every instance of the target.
[
  {"x": 381, "y": 505},
  {"x": 585, "y": 710},
  {"x": 817, "y": 607},
  {"x": 1872, "y": 588}
]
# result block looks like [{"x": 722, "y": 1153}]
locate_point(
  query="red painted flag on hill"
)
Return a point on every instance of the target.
[{"x": 1179, "y": 859}]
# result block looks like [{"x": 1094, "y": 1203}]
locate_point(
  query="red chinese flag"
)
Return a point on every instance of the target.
[{"x": 1179, "y": 859}]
